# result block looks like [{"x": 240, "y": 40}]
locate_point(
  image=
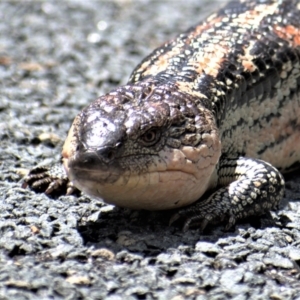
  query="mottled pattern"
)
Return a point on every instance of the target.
[
  {"x": 215, "y": 109},
  {"x": 244, "y": 63}
]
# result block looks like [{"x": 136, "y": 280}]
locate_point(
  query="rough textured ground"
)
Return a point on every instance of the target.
[{"x": 55, "y": 57}]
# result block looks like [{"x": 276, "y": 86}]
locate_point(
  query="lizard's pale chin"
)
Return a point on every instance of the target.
[{"x": 150, "y": 191}]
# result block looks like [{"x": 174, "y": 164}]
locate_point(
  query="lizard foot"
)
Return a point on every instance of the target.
[
  {"x": 254, "y": 187},
  {"x": 51, "y": 181}
]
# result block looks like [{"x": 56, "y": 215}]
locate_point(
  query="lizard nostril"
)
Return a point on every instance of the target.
[
  {"x": 110, "y": 154},
  {"x": 107, "y": 154}
]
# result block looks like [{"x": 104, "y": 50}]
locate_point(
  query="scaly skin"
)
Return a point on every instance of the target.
[{"x": 215, "y": 109}]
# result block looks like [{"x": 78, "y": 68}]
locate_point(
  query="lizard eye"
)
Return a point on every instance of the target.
[{"x": 150, "y": 137}]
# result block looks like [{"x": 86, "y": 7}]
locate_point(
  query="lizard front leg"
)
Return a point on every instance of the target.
[{"x": 247, "y": 187}]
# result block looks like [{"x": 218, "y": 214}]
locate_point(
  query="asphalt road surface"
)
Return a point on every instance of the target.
[{"x": 56, "y": 57}]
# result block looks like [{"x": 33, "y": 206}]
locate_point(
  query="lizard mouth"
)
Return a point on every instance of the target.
[
  {"x": 156, "y": 188},
  {"x": 89, "y": 167}
]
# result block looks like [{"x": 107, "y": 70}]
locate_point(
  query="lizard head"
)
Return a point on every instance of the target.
[{"x": 143, "y": 146}]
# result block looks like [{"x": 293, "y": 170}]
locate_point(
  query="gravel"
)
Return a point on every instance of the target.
[{"x": 55, "y": 57}]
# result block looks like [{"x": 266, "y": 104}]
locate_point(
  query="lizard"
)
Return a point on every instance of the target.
[{"x": 207, "y": 123}]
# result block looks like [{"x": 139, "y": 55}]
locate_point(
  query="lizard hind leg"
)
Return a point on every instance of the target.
[{"x": 248, "y": 187}]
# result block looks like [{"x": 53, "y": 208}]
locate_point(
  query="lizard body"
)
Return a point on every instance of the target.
[{"x": 215, "y": 109}]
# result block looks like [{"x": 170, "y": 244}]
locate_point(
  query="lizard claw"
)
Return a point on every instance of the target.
[
  {"x": 174, "y": 218},
  {"x": 203, "y": 221}
]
